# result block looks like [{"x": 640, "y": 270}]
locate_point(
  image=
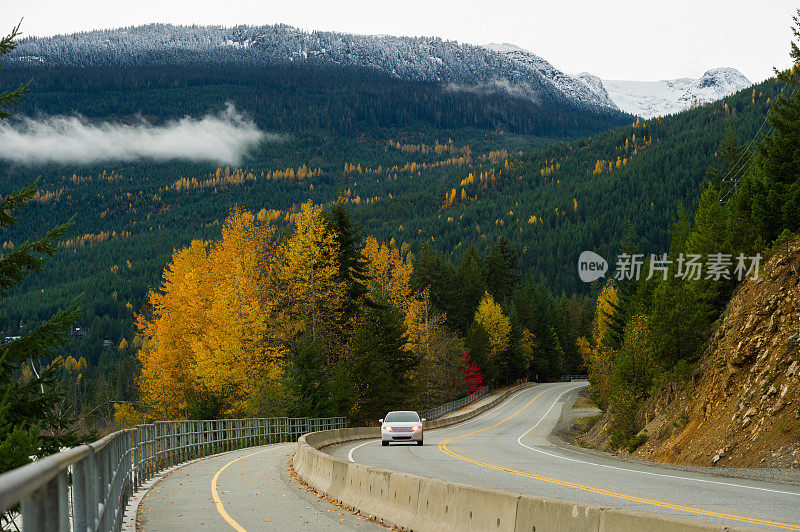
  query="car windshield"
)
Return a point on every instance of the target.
[{"x": 401, "y": 416}]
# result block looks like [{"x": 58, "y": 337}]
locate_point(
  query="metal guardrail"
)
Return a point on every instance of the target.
[
  {"x": 452, "y": 406},
  {"x": 87, "y": 488},
  {"x": 570, "y": 378}
]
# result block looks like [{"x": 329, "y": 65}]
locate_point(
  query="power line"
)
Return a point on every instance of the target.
[{"x": 736, "y": 170}]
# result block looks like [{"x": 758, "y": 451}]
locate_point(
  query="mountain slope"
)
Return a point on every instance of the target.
[
  {"x": 649, "y": 99},
  {"x": 460, "y": 66},
  {"x": 380, "y": 141},
  {"x": 567, "y": 85},
  {"x": 741, "y": 410}
]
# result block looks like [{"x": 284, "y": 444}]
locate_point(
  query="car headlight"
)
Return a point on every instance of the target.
[
  {"x": 415, "y": 428},
  {"x": 387, "y": 428}
]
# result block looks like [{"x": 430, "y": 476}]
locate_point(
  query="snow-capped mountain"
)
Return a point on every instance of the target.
[
  {"x": 658, "y": 98},
  {"x": 567, "y": 85},
  {"x": 454, "y": 65}
]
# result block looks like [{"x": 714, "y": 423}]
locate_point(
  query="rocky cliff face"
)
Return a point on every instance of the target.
[{"x": 743, "y": 407}]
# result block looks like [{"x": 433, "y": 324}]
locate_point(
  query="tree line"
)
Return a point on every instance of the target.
[{"x": 316, "y": 319}]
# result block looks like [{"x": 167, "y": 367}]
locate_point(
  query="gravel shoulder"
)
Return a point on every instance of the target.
[{"x": 565, "y": 431}]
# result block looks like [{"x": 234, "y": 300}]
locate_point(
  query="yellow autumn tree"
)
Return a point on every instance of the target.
[
  {"x": 423, "y": 323},
  {"x": 243, "y": 344},
  {"x": 306, "y": 271},
  {"x": 597, "y": 354},
  {"x": 127, "y": 416},
  {"x": 389, "y": 273},
  {"x": 439, "y": 351},
  {"x": 212, "y": 327},
  {"x": 527, "y": 345},
  {"x": 168, "y": 378},
  {"x": 496, "y": 324}
]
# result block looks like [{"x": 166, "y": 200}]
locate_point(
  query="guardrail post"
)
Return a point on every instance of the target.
[
  {"x": 193, "y": 439},
  {"x": 40, "y": 511},
  {"x": 79, "y": 495},
  {"x": 92, "y": 492},
  {"x": 134, "y": 435},
  {"x": 184, "y": 442},
  {"x": 63, "y": 501},
  {"x": 105, "y": 482}
]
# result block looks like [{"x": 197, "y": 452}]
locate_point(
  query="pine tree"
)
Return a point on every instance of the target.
[
  {"x": 352, "y": 265},
  {"x": 620, "y": 310},
  {"x": 472, "y": 285},
  {"x": 378, "y": 365},
  {"x": 309, "y": 379},
  {"x": 433, "y": 271},
  {"x": 501, "y": 269},
  {"x": 31, "y": 422},
  {"x": 732, "y": 157},
  {"x": 10, "y": 98},
  {"x": 770, "y": 195}
]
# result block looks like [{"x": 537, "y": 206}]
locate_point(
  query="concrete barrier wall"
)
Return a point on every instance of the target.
[{"x": 426, "y": 504}]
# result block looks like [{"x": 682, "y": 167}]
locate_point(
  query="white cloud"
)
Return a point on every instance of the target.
[
  {"x": 499, "y": 85},
  {"x": 225, "y": 138}
]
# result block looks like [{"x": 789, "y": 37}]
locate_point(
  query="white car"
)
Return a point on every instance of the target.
[{"x": 403, "y": 425}]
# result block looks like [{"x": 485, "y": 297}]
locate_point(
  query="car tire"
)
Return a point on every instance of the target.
[
  {"x": 419, "y": 442},
  {"x": 384, "y": 443}
]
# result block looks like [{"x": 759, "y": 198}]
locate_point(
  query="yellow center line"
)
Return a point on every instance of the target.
[
  {"x": 443, "y": 447},
  {"x": 218, "y": 502}
]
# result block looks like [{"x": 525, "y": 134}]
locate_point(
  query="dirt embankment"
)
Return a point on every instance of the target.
[{"x": 743, "y": 407}]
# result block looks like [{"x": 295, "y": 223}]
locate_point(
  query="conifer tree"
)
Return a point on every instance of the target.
[
  {"x": 501, "y": 269},
  {"x": 433, "y": 271},
  {"x": 769, "y": 199},
  {"x": 379, "y": 366},
  {"x": 472, "y": 284},
  {"x": 731, "y": 156},
  {"x": 353, "y": 275},
  {"x": 31, "y": 424},
  {"x": 620, "y": 309}
]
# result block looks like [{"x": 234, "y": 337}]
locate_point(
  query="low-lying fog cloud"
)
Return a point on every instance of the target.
[
  {"x": 497, "y": 86},
  {"x": 225, "y": 138}
]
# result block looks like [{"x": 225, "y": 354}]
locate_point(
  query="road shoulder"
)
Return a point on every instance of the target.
[{"x": 561, "y": 436}]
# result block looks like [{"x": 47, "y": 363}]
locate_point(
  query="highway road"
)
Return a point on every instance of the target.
[
  {"x": 249, "y": 489},
  {"x": 507, "y": 448}
]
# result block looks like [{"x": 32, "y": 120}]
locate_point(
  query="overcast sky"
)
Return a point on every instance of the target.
[{"x": 615, "y": 39}]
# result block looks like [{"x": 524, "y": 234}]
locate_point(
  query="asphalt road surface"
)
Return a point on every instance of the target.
[
  {"x": 507, "y": 448},
  {"x": 252, "y": 490}
]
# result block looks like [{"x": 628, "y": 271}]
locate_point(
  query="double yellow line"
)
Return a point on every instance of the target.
[{"x": 697, "y": 511}]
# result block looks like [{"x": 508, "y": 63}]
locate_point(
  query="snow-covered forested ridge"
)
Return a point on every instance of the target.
[
  {"x": 490, "y": 68},
  {"x": 568, "y": 85},
  {"x": 458, "y": 66}
]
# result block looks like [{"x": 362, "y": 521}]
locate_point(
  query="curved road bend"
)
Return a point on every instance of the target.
[
  {"x": 507, "y": 448},
  {"x": 253, "y": 492}
]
